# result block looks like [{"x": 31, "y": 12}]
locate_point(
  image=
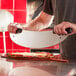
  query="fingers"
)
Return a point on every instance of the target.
[
  {"x": 12, "y": 27},
  {"x": 57, "y": 29},
  {"x": 60, "y": 28}
]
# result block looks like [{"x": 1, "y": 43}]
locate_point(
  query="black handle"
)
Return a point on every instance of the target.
[
  {"x": 69, "y": 30},
  {"x": 19, "y": 30}
]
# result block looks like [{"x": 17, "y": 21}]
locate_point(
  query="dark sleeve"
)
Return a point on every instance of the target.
[
  {"x": 47, "y": 8},
  {"x": 38, "y": 10}
]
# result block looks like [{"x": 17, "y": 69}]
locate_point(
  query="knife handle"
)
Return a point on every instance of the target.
[
  {"x": 69, "y": 30},
  {"x": 19, "y": 30}
]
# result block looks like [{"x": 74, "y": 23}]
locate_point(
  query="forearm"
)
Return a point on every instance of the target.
[
  {"x": 36, "y": 25},
  {"x": 41, "y": 22}
]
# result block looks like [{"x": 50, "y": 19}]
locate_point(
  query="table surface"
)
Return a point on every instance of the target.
[{"x": 54, "y": 68}]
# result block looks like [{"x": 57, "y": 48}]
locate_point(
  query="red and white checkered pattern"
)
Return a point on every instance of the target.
[{"x": 18, "y": 9}]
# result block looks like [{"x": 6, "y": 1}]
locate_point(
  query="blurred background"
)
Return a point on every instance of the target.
[{"x": 23, "y": 11}]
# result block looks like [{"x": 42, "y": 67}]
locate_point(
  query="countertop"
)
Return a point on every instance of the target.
[{"x": 8, "y": 67}]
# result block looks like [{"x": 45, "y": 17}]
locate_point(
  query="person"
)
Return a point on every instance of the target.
[
  {"x": 39, "y": 8},
  {"x": 35, "y": 6},
  {"x": 64, "y": 13}
]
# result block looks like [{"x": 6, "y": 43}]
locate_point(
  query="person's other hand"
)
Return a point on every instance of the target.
[
  {"x": 60, "y": 28},
  {"x": 12, "y": 27}
]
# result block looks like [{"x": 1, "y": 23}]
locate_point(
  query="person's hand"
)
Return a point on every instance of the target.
[
  {"x": 12, "y": 27},
  {"x": 60, "y": 28}
]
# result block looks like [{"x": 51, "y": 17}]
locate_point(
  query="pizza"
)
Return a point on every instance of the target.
[
  {"x": 31, "y": 54},
  {"x": 35, "y": 56}
]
